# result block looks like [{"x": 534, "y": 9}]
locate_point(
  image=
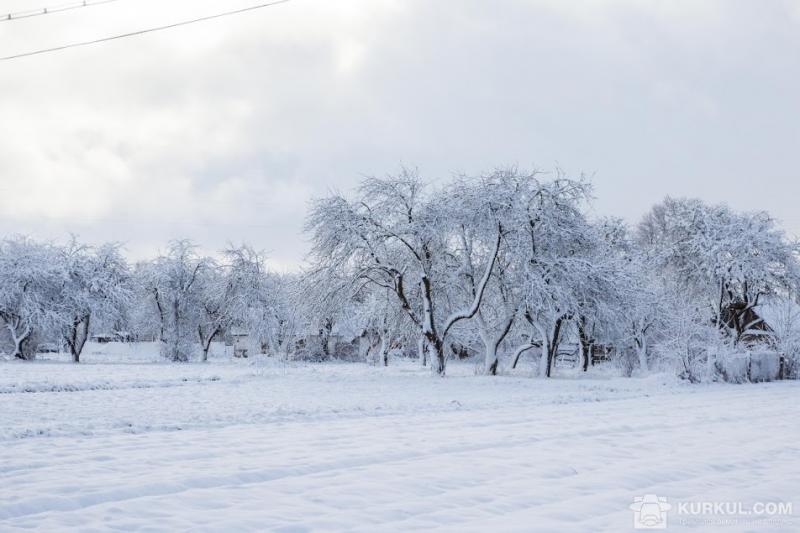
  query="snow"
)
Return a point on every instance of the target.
[
  {"x": 764, "y": 366},
  {"x": 263, "y": 445}
]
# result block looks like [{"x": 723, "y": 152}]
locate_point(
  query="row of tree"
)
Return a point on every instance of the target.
[
  {"x": 510, "y": 262},
  {"x": 60, "y": 294},
  {"x": 504, "y": 265}
]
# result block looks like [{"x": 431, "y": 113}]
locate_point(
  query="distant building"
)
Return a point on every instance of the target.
[
  {"x": 117, "y": 336},
  {"x": 241, "y": 342},
  {"x": 103, "y": 338}
]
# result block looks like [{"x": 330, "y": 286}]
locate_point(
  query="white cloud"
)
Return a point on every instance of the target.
[{"x": 222, "y": 131}]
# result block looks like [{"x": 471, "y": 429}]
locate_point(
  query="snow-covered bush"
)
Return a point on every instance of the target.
[
  {"x": 783, "y": 315},
  {"x": 764, "y": 366},
  {"x": 732, "y": 367}
]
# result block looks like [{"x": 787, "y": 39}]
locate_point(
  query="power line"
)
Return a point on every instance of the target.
[
  {"x": 141, "y": 32},
  {"x": 52, "y": 9}
]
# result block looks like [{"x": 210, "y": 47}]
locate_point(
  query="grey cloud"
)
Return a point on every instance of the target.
[{"x": 223, "y": 131}]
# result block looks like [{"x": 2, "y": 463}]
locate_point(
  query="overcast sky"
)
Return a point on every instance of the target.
[{"x": 222, "y": 131}]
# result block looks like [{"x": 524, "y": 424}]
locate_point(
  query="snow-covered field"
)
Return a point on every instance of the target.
[{"x": 259, "y": 445}]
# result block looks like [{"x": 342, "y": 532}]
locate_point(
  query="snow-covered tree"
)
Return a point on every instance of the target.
[
  {"x": 216, "y": 290},
  {"x": 485, "y": 205},
  {"x": 265, "y": 304},
  {"x": 278, "y": 315},
  {"x": 395, "y": 235},
  {"x": 731, "y": 259},
  {"x": 174, "y": 282},
  {"x": 95, "y": 285},
  {"x": 30, "y": 281},
  {"x": 555, "y": 241}
]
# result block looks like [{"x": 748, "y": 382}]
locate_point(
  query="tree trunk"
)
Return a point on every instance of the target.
[
  {"x": 550, "y": 357},
  {"x": 325, "y": 336},
  {"x": 161, "y": 316},
  {"x": 18, "y": 338},
  {"x": 24, "y": 354},
  {"x": 202, "y": 343},
  {"x": 544, "y": 360},
  {"x": 177, "y": 354},
  {"x": 549, "y": 348},
  {"x": 586, "y": 356},
  {"x": 489, "y": 347},
  {"x": 641, "y": 352},
  {"x": 422, "y": 350},
  {"x": 490, "y": 359},
  {"x": 492, "y": 344},
  {"x": 429, "y": 328},
  {"x": 438, "y": 365},
  {"x": 383, "y": 353},
  {"x": 79, "y": 334},
  {"x": 206, "y": 342},
  {"x": 18, "y": 348},
  {"x": 586, "y": 344}
]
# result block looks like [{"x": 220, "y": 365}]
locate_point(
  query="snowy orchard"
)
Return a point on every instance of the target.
[
  {"x": 508, "y": 262},
  {"x": 496, "y": 267}
]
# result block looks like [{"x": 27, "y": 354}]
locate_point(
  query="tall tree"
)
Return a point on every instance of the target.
[
  {"x": 96, "y": 284},
  {"x": 173, "y": 280},
  {"x": 395, "y": 235},
  {"x": 30, "y": 279}
]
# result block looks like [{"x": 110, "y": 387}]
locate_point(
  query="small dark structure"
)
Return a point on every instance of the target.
[{"x": 741, "y": 318}]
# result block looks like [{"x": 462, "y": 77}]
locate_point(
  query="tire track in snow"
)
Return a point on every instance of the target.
[{"x": 422, "y": 425}]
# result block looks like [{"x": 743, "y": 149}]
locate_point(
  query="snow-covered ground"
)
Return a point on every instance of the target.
[{"x": 259, "y": 445}]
